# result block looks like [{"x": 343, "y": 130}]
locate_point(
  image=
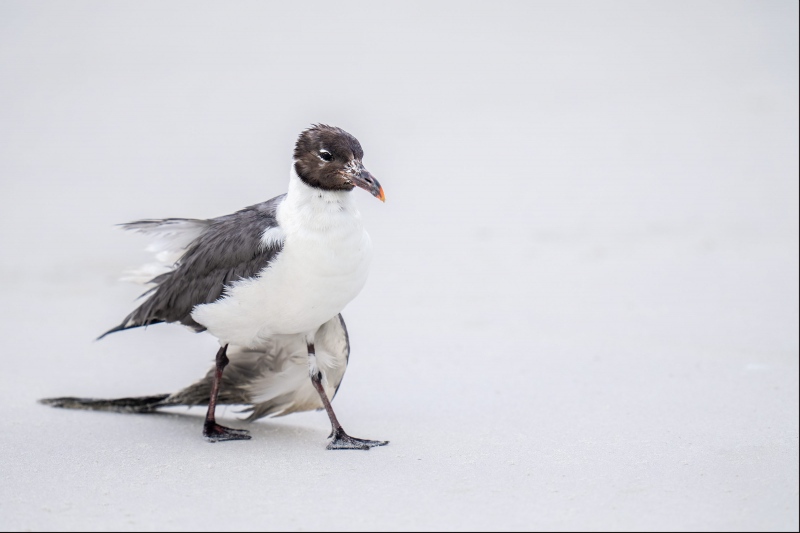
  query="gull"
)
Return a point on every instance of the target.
[{"x": 269, "y": 282}]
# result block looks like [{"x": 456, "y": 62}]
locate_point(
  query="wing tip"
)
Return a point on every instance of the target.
[
  {"x": 121, "y": 327},
  {"x": 125, "y": 326}
]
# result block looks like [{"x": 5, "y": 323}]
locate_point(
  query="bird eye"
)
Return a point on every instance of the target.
[{"x": 326, "y": 155}]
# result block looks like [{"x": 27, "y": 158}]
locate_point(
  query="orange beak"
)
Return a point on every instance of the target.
[{"x": 367, "y": 181}]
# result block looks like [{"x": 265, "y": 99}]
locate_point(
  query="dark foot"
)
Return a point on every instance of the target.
[
  {"x": 343, "y": 441},
  {"x": 214, "y": 433}
]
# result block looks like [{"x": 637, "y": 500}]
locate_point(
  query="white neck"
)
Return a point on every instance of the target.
[{"x": 310, "y": 207}]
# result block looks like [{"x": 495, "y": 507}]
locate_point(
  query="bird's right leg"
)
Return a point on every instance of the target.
[{"x": 212, "y": 431}]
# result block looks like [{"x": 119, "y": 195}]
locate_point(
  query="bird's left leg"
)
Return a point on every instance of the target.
[{"x": 341, "y": 440}]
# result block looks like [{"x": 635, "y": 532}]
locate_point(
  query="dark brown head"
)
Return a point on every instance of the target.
[{"x": 329, "y": 158}]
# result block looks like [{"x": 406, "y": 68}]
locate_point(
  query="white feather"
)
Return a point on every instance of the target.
[
  {"x": 273, "y": 237},
  {"x": 287, "y": 383},
  {"x": 170, "y": 238},
  {"x": 145, "y": 273},
  {"x": 323, "y": 265}
]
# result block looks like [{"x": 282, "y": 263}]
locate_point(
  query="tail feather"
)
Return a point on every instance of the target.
[{"x": 141, "y": 404}]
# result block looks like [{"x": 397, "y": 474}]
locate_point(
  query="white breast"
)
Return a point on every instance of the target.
[{"x": 322, "y": 267}]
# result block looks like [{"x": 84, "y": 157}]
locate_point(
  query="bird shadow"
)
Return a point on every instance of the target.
[
  {"x": 191, "y": 420},
  {"x": 188, "y": 422}
]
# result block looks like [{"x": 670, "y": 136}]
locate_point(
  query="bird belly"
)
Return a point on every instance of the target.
[{"x": 312, "y": 279}]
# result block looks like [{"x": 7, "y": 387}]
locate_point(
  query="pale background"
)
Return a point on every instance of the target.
[{"x": 583, "y": 310}]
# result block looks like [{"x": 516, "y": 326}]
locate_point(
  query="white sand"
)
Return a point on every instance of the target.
[{"x": 583, "y": 312}]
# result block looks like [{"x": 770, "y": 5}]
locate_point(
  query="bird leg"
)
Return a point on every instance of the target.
[
  {"x": 341, "y": 440},
  {"x": 212, "y": 431}
]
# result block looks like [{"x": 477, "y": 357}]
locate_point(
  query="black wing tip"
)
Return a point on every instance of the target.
[
  {"x": 55, "y": 402},
  {"x": 64, "y": 402},
  {"x": 124, "y": 327},
  {"x": 141, "y": 404},
  {"x": 121, "y": 327}
]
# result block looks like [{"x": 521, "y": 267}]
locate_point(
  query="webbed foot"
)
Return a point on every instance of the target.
[
  {"x": 213, "y": 432},
  {"x": 343, "y": 441}
]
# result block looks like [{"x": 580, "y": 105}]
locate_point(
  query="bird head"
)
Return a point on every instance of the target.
[{"x": 329, "y": 158}]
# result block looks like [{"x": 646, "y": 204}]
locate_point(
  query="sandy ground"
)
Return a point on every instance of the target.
[{"x": 583, "y": 310}]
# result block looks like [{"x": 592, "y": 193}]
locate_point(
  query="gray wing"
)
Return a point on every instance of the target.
[
  {"x": 225, "y": 250},
  {"x": 269, "y": 382}
]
